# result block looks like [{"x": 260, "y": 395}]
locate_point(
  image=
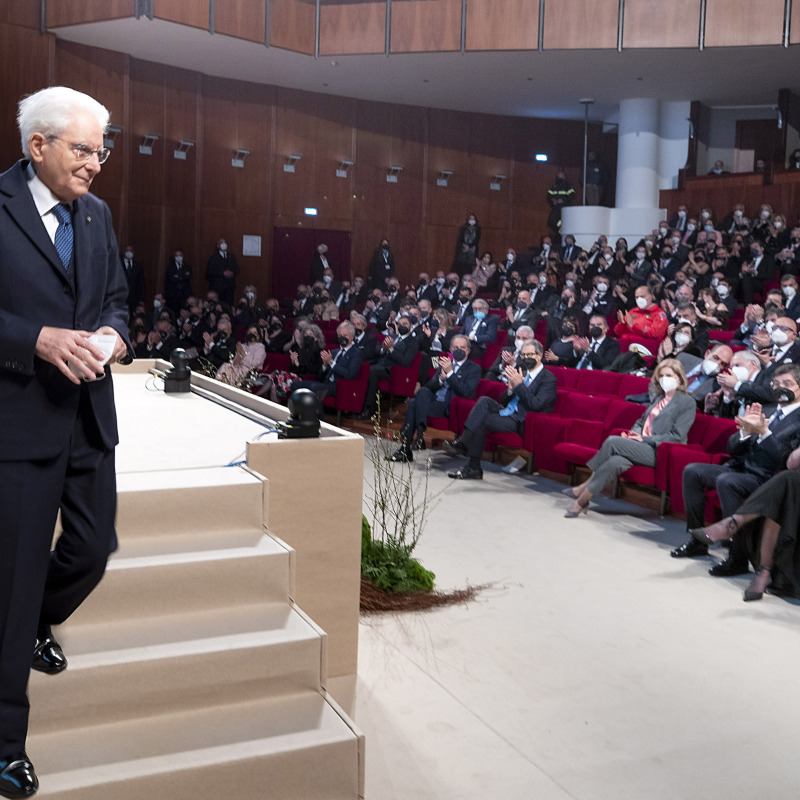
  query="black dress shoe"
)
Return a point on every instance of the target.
[
  {"x": 455, "y": 448},
  {"x": 48, "y": 657},
  {"x": 690, "y": 549},
  {"x": 17, "y": 776},
  {"x": 728, "y": 568},
  {"x": 419, "y": 444},
  {"x": 466, "y": 474},
  {"x": 401, "y": 456}
]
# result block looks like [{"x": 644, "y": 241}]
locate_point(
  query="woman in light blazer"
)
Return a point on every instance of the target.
[{"x": 667, "y": 419}]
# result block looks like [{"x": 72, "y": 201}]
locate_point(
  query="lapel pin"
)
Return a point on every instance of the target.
[{"x": 88, "y": 219}]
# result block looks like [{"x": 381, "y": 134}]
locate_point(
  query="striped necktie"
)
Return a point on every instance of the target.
[{"x": 64, "y": 235}]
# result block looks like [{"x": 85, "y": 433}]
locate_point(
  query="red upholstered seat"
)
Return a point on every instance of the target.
[
  {"x": 492, "y": 351},
  {"x": 632, "y": 384},
  {"x": 349, "y": 394},
  {"x": 596, "y": 381},
  {"x": 275, "y": 361},
  {"x": 566, "y": 377},
  {"x": 402, "y": 380}
]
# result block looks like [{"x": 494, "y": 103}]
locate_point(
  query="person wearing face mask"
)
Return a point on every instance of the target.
[
  {"x": 467, "y": 243},
  {"x": 642, "y": 266},
  {"x": 530, "y": 388},
  {"x": 667, "y": 419},
  {"x": 457, "y": 375},
  {"x": 718, "y": 169},
  {"x": 560, "y": 352},
  {"x": 480, "y": 327},
  {"x": 333, "y": 286},
  {"x": 600, "y": 300},
  {"x": 735, "y": 221},
  {"x": 177, "y": 281},
  {"x": 777, "y": 236},
  {"x": 726, "y": 402},
  {"x": 399, "y": 350},
  {"x": 679, "y": 341},
  {"x": 689, "y": 239},
  {"x": 561, "y": 307},
  {"x": 597, "y": 351},
  {"x": 792, "y": 301},
  {"x": 221, "y": 272},
  {"x": 646, "y": 319},
  {"x": 363, "y": 339},
  {"x": 509, "y": 355},
  {"x": 381, "y": 265},
  {"x": 569, "y": 251},
  {"x": 701, "y": 377},
  {"x": 678, "y": 220},
  {"x": 559, "y": 195},
  {"x": 134, "y": 276},
  {"x": 758, "y": 450},
  {"x": 319, "y": 263},
  {"x": 726, "y": 298},
  {"x": 341, "y": 364},
  {"x": 521, "y": 313}
]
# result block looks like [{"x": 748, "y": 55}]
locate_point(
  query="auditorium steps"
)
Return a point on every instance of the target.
[{"x": 192, "y": 674}]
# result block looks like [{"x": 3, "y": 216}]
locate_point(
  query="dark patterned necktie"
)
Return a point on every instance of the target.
[{"x": 64, "y": 235}]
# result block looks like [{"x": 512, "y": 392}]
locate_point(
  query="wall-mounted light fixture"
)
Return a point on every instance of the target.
[
  {"x": 341, "y": 170},
  {"x": 541, "y": 156},
  {"x": 444, "y": 174},
  {"x": 238, "y": 157},
  {"x": 111, "y": 134},
  {"x": 184, "y": 146},
  {"x": 146, "y": 147},
  {"x": 496, "y": 182},
  {"x": 291, "y": 160},
  {"x": 392, "y": 173}
]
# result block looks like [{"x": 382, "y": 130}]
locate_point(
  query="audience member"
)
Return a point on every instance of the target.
[
  {"x": 134, "y": 276},
  {"x": 381, "y": 265},
  {"x": 221, "y": 272},
  {"x": 647, "y": 319},
  {"x": 598, "y": 350},
  {"x": 319, "y": 263},
  {"x": 480, "y": 327},
  {"x": 467, "y": 244}
]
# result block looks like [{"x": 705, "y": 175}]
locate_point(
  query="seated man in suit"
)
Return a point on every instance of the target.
[
  {"x": 789, "y": 288},
  {"x": 456, "y": 377},
  {"x": 364, "y": 341},
  {"x": 509, "y": 356},
  {"x": 758, "y": 451},
  {"x": 701, "y": 375},
  {"x": 480, "y": 327},
  {"x": 597, "y": 351},
  {"x": 523, "y": 314},
  {"x": 530, "y": 388},
  {"x": 726, "y": 402},
  {"x": 342, "y": 363},
  {"x": 396, "y": 351}
]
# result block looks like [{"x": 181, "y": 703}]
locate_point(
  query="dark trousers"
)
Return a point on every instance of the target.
[
  {"x": 485, "y": 418},
  {"x": 732, "y": 487},
  {"x": 749, "y": 285},
  {"x": 376, "y": 374},
  {"x": 39, "y": 586},
  {"x": 423, "y": 405}
]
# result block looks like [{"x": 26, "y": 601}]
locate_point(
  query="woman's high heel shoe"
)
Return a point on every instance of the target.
[
  {"x": 731, "y": 524},
  {"x": 568, "y": 492},
  {"x": 584, "y": 509},
  {"x": 755, "y": 591}
]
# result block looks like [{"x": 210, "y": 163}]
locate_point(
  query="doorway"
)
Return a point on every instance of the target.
[{"x": 293, "y": 250}]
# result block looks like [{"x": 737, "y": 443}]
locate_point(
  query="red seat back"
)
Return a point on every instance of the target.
[
  {"x": 566, "y": 378},
  {"x": 585, "y": 406},
  {"x": 716, "y": 434},
  {"x": 596, "y": 381},
  {"x": 632, "y": 384}
]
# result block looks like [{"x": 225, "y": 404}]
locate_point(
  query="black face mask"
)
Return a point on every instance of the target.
[
  {"x": 301, "y": 295},
  {"x": 596, "y": 332},
  {"x": 459, "y": 354},
  {"x": 252, "y": 338},
  {"x": 359, "y": 331},
  {"x": 522, "y": 305},
  {"x": 343, "y": 341},
  {"x": 403, "y": 329},
  {"x": 423, "y": 282},
  {"x": 528, "y": 362},
  {"x": 464, "y": 298},
  {"x": 567, "y": 330},
  {"x": 452, "y": 284},
  {"x": 412, "y": 318},
  {"x": 784, "y": 395}
]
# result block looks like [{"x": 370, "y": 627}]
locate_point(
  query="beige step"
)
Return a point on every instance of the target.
[
  {"x": 189, "y": 500},
  {"x": 144, "y": 586},
  {"x": 292, "y": 748},
  {"x": 138, "y": 667}
]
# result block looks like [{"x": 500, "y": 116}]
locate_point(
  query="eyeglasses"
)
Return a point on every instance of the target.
[
  {"x": 84, "y": 153},
  {"x": 783, "y": 328}
]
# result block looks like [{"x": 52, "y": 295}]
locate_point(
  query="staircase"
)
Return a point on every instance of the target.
[{"x": 192, "y": 674}]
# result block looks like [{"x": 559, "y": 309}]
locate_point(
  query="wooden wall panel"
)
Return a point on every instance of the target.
[
  {"x": 245, "y": 19},
  {"x": 448, "y": 149},
  {"x": 579, "y": 24},
  {"x": 491, "y": 154},
  {"x": 24, "y": 68},
  {"x": 749, "y": 22},
  {"x": 502, "y": 25},
  {"x": 408, "y": 142},
  {"x": 181, "y": 96},
  {"x": 26, "y": 15},
  {"x": 653, "y": 23},
  {"x": 77, "y": 12},
  {"x": 352, "y": 28},
  {"x": 794, "y": 33},
  {"x": 186, "y": 12},
  {"x": 429, "y": 27},
  {"x": 292, "y": 25}
]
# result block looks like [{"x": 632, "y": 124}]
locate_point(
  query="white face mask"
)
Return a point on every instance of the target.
[
  {"x": 682, "y": 214},
  {"x": 327, "y": 280},
  {"x": 641, "y": 302},
  {"x": 779, "y": 337},
  {"x": 640, "y": 256},
  {"x": 769, "y": 326},
  {"x": 129, "y": 254},
  {"x": 602, "y": 288},
  {"x": 510, "y": 258},
  {"x": 741, "y": 373},
  {"x": 737, "y": 213},
  {"x": 778, "y": 225},
  {"x": 223, "y": 247},
  {"x": 440, "y": 281},
  {"x": 722, "y": 291},
  {"x": 156, "y": 303},
  {"x": 676, "y": 240},
  {"x": 518, "y": 344},
  {"x": 715, "y": 282},
  {"x": 571, "y": 284},
  {"x": 789, "y": 291},
  {"x": 179, "y": 260},
  {"x": 542, "y": 281},
  {"x": 662, "y": 231},
  {"x": 668, "y": 384},
  {"x": 684, "y": 321},
  {"x": 682, "y": 339},
  {"x": 710, "y": 367},
  {"x": 764, "y": 214},
  {"x": 690, "y": 227},
  {"x": 705, "y": 215},
  {"x": 648, "y": 242},
  {"x": 472, "y": 222}
]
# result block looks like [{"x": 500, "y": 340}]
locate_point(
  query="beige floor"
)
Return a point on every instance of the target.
[{"x": 594, "y": 667}]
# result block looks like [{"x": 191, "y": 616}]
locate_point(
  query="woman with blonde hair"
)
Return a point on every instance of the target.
[{"x": 667, "y": 419}]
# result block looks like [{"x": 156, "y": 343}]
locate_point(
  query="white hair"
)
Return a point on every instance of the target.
[{"x": 50, "y": 112}]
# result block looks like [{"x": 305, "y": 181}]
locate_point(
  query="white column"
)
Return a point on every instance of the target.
[
  {"x": 673, "y": 134},
  {"x": 638, "y": 154}
]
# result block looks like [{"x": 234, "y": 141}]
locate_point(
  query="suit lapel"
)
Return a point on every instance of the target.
[
  {"x": 81, "y": 225},
  {"x": 22, "y": 210}
]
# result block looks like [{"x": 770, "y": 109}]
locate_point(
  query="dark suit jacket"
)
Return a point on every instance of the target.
[
  {"x": 318, "y": 268},
  {"x": 539, "y": 396},
  {"x": 606, "y": 353},
  {"x": 346, "y": 367},
  {"x": 763, "y": 459},
  {"x": 429, "y": 292},
  {"x": 38, "y": 405},
  {"x": 215, "y": 268},
  {"x": 135, "y": 280},
  {"x": 380, "y": 268},
  {"x": 177, "y": 284},
  {"x": 402, "y": 354},
  {"x": 496, "y": 370},
  {"x": 486, "y": 332},
  {"x": 793, "y": 308},
  {"x": 463, "y": 383},
  {"x": 530, "y": 316},
  {"x": 369, "y": 348}
]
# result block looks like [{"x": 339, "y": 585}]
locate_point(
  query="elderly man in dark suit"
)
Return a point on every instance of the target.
[
  {"x": 531, "y": 388},
  {"x": 221, "y": 272},
  {"x": 598, "y": 350},
  {"x": 456, "y": 377},
  {"x": 758, "y": 451},
  {"x": 343, "y": 363},
  {"x": 480, "y": 327},
  {"x": 61, "y": 280}
]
